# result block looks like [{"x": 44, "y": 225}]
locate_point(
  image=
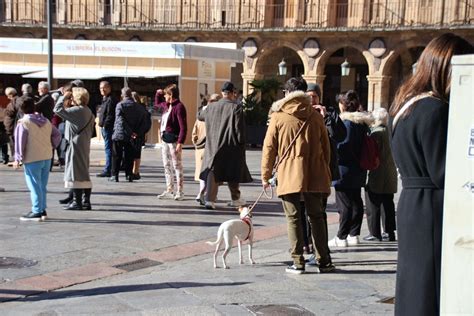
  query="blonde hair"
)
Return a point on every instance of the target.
[
  {"x": 80, "y": 96},
  {"x": 10, "y": 91}
]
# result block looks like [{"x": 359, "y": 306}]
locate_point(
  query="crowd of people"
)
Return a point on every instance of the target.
[{"x": 307, "y": 149}]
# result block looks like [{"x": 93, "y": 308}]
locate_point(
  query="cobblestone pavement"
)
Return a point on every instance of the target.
[{"x": 136, "y": 255}]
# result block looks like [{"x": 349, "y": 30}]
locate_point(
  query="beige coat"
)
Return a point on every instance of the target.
[
  {"x": 198, "y": 138},
  {"x": 306, "y": 166}
]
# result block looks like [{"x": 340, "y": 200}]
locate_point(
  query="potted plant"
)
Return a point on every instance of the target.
[{"x": 256, "y": 107}]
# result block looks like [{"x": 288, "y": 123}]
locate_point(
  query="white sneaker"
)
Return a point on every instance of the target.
[
  {"x": 352, "y": 240},
  {"x": 336, "y": 242},
  {"x": 179, "y": 196},
  {"x": 210, "y": 206},
  {"x": 237, "y": 203},
  {"x": 165, "y": 195}
]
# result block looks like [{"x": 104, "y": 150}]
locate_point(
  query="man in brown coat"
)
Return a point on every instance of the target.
[{"x": 304, "y": 170}]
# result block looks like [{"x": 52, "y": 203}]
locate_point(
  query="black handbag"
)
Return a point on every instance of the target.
[
  {"x": 137, "y": 143},
  {"x": 169, "y": 137}
]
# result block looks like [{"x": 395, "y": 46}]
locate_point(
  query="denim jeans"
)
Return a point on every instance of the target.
[
  {"x": 107, "y": 135},
  {"x": 37, "y": 175}
]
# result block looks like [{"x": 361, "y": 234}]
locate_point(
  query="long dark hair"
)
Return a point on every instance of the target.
[{"x": 433, "y": 71}]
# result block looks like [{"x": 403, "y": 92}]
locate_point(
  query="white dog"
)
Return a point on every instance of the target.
[{"x": 242, "y": 229}]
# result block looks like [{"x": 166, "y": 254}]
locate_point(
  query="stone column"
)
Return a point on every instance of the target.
[
  {"x": 9, "y": 11},
  {"x": 246, "y": 88},
  {"x": 378, "y": 92},
  {"x": 61, "y": 12}
]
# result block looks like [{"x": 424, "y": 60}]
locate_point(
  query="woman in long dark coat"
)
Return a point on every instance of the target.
[{"x": 419, "y": 119}]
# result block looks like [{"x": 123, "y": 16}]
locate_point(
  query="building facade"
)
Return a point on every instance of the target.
[{"x": 380, "y": 39}]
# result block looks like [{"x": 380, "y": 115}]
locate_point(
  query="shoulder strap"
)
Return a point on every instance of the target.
[
  {"x": 287, "y": 150},
  {"x": 408, "y": 105},
  {"x": 90, "y": 120}
]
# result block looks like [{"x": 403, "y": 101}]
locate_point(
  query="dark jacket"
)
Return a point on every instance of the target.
[
  {"x": 45, "y": 106},
  {"x": 107, "y": 112},
  {"x": 130, "y": 117},
  {"x": 352, "y": 176},
  {"x": 176, "y": 123},
  {"x": 419, "y": 149},
  {"x": 337, "y": 133},
  {"x": 225, "y": 142},
  {"x": 383, "y": 180},
  {"x": 12, "y": 115}
]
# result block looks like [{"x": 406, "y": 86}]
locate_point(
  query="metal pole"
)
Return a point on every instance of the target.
[{"x": 49, "y": 8}]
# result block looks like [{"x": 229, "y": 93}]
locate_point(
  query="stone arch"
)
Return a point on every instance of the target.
[
  {"x": 270, "y": 46},
  {"x": 402, "y": 48},
  {"x": 328, "y": 70},
  {"x": 330, "y": 49}
]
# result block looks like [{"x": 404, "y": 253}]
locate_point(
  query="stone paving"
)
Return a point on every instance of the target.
[{"x": 136, "y": 255}]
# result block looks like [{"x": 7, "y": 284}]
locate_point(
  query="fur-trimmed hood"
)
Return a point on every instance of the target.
[
  {"x": 296, "y": 103},
  {"x": 358, "y": 117}
]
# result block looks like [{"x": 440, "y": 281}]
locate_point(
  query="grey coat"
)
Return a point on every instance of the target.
[
  {"x": 225, "y": 142},
  {"x": 78, "y": 133},
  {"x": 383, "y": 180}
]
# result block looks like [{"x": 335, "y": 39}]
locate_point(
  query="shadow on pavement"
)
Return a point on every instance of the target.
[
  {"x": 365, "y": 249},
  {"x": 192, "y": 211},
  {"x": 107, "y": 290},
  {"x": 124, "y": 222}
]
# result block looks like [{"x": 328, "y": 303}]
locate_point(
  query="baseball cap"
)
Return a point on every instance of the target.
[{"x": 228, "y": 86}]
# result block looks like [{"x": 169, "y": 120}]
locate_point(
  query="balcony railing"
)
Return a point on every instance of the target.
[{"x": 358, "y": 14}]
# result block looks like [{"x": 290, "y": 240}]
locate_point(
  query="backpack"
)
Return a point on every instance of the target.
[{"x": 369, "y": 155}]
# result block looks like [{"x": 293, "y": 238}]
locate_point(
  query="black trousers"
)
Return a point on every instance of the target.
[
  {"x": 122, "y": 150},
  {"x": 351, "y": 212},
  {"x": 375, "y": 202}
]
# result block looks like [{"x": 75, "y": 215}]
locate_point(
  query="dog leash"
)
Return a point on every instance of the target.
[{"x": 280, "y": 159}]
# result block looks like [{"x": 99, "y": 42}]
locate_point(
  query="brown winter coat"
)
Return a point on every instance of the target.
[{"x": 306, "y": 167}]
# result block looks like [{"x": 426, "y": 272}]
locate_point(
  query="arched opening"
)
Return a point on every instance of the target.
[
  {"x": 335, "y": 83},
  {"x": 267, "y": 65},
  {"x": 402, "y": 68}
]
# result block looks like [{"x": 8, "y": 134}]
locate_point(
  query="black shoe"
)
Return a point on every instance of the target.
[
  {"x": 372, "y": 238},
  {"x": 32, "y": 217},
  {"x": 66, "y": 200},
  {"x": 136, "y": 176},
  {"x": 5, "y": 162},
  {"x": 44, "y": 215},
  {"x": 103, "y": 175},
  {"x": 86, "y": 206},
  {"x": 73, "y": 206},
  {"x": 388, "y": 237},
  {"x": 114, "y": 179},
  {"x": 326, "y": 268},
  {"x": 129, "y": 178}
]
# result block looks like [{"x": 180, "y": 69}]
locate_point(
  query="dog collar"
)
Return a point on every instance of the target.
[{"x": 247, "y": 221}]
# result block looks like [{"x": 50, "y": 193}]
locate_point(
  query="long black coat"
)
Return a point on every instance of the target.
[
  {"x": 225, "y": 142},
  {"x": 419, "y": 150}
]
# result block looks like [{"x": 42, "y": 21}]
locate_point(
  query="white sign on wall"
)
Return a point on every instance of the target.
[{"x": 206, "y": 69}]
